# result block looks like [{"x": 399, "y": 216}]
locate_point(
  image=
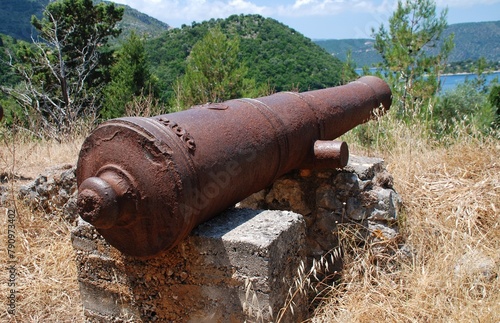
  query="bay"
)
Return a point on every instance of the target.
[{"x": 450, "y": 81}]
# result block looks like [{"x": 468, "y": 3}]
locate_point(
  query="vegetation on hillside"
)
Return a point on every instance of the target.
[
  {"x": 274, "y": 53},
  {"x": 63, "y": 73},
  {"x": 15, "y": 19},
  {"x": 214, "y": 73},
  {"x": 472, "y": 41},
  {"x": 130, "y": 77},
  {"x": 141, "y": 24},
  {"x": 362, "y": 50},
  {"x": 8, "y": 50},
  {"x": 272, "y": 56},
  {"x": 413, "y": 27},
  {"x": 475, "y": 40}
]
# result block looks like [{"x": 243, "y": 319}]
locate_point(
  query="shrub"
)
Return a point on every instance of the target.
[{"x": 465, "y": 106}]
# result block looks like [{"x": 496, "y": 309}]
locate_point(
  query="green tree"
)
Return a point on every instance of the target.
[
  {"x": 214, "y": 72},
  {"x": 64, "y": 72},
  {"x": 130, "y": 77},
  {"x": 494, "y": 99},
  {"x": 412, "y": 71},
  {"x": 348, "y": 72},
  {"x": 462, "y": 107}
]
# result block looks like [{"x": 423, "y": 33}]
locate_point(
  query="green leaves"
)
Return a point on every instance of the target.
[
  {"x": 214, "y": 72},
  {"x": 130, "y": 77},
  {"x": 65, "y": 70},
  {"x": 277, "y": 56},
  {"x": 413, "y": 28}
]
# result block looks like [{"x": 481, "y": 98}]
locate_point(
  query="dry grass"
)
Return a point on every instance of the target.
[
  {"x": 450, "y": 222},
  {"x": 46, "y": 284},
  {"x": 29, "y": 158}
]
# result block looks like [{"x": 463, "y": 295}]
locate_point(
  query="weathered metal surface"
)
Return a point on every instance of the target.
[
  {"x": 328, "y": 154},
  {"x": 145, "y": 183}
]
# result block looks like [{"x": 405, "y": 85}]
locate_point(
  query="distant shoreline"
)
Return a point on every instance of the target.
[
  {"x": 469, "y": 73},
  {"x": 444, "y": 74}
]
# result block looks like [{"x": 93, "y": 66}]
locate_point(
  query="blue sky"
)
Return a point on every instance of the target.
[{"x": 316, "y": 19}]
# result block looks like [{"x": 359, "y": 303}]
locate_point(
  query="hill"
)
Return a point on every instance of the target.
[
  {"x": 475, "y": 40},
  {"x": 15, "y": 17},
  {"x": 362, "y": 51},
  {"x": 141, "y": 23},
  {"x": 274, "y": 53},
  {"x": 472, "y": 41},
  {"x": 8, "y": 48}
]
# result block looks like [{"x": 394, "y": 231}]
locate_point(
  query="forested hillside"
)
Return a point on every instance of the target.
[
  {"x": 475, "y": 40},
  {"x": 15, "y": 16},
  {"x": 472, "y": 41},
  {"x": 362, "y": 51},
  {"x": 274, "y": 53},
  {"x": 140, "y": 23},
  {"x": 8, "y": 49},
  {"x": 275, "y": 57}
]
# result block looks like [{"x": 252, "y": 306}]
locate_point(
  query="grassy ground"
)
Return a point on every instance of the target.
[
  {"x": 450, "y": 224},
  {"x": 451, "y": 227},
  {"x": 45, "y": 278}
]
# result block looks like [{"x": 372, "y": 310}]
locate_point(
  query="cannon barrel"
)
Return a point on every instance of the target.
[{"x": 145, "y": 183}]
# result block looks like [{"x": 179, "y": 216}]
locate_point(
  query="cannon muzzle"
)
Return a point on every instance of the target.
[{"x": 145, "y": 183}]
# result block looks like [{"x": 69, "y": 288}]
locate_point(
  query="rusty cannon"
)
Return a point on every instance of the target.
[{"x": 145, "y": 183}]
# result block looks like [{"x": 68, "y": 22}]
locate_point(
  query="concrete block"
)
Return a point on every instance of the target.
[{"x": 238, "y": 266}]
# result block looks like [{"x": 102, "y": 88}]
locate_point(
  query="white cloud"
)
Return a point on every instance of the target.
[
  {"x": 187, "y": 11},
  {"x": 194, "y": 10},
  {"x": 464, "y": 3},
  {"x": 197, "y": 10},
  {"x": 300, "y": 3},
  {"x": 332, "y": 7}
]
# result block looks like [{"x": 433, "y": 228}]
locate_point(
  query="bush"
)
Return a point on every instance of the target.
[
  {"x": 467, "y": 105},
  {"x": 494, "y": 99}
]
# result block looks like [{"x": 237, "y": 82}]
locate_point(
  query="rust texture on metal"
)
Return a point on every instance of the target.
[
  {"x": 145, "y": 183},
  {"x": 328, "y": 154}
]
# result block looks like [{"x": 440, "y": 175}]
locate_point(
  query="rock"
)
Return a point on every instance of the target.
[
  {"x": 362, "y": 193},
  {"x": 386, "y": 209},
  {"x": 327, "y": 199},
  {"x": 364, "y": 167},
  {"x": 4, "y": 195},
  {"x": 355, "y": 209},
  {"x": 287, "y": 194},
  {"x": 53, "y": 192},
  {"x": 476, "y": 264}
]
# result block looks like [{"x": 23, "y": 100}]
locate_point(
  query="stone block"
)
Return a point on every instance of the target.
[
  {"x": 360, "y": 193},
  {"x": 238, "y": 266}
]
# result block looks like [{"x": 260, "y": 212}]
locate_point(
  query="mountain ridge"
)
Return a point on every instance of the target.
[
  {"x": 274, "y": 53},
  {"x": 15, "y": 19},
  {"x": 473, "y": 40}
]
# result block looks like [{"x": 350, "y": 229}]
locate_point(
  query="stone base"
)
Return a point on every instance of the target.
[
  {"x": 238, "y": 266},
  {"x": 360, "y": 194}
]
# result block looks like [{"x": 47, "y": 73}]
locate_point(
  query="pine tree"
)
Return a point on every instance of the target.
[
  {"x": 214, "y": 72},
  {"x": 64, "y": 72},
  {"x": 130, "y": 77},
  {"x": 411, "y": 69}
]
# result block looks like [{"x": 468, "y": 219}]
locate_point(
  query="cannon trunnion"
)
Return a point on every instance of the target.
[{"x": 145, "y": 183}]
